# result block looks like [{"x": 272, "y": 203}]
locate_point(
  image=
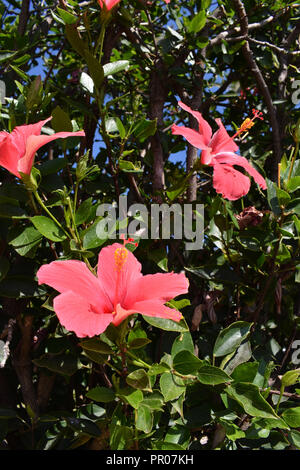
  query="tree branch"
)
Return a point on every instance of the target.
[{"x": 248, "y": 55}]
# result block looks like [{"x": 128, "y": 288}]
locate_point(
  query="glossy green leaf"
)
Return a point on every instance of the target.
[
  {"x": 114, "y": 67},
  {"x": 250, "y": 399},
  {"x": 211, "y": 375},
  {"x": 139, "y": 379},
  {"x": 167, "y": 325},
  {"x": 292, "y": 417},
  {"x": 230, "y": 338},
  {"x": 48, "y": 228},
  {"x": 186, "y": 363},
  {"x": 144, "y": 419},
  {"x": 101, "y": 394},
  {"x": 171, "y": 386}
]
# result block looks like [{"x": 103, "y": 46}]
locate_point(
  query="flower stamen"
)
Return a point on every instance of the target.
[
  {"x": 120, "y": 256},
  {"x": 248, "y": 123}
]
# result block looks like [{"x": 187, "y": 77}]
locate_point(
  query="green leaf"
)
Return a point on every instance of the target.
[
  {"x": 197, "y": 23},
  {"x": 294, "y": 206},
  {"x": 245, "y": 372},
  {"x": 232, "y": 431},
  {"x": 292, "y": 417},
  {"x": 171, "y": 386},
  {"x": 144, "y": 129},
  {"x": 290, "y": 378},
  {"x": 294, "y": 438},
  {"x": 84, "y": 210},
  {"x": 139, "y": 379},
  {"x": 95, "y": 344},
  {"x": 129, "y": 167},
  {"x": 186, "y": 363},
  {"x": 75, "y": 40},
  {"x": 61, "y": 121},
  {"x": 19, "y": 72},
  {"x": 178, "y": 434},
  {"x": 101, "y": 394},
  {"x": 243, "y": 354},
  {"x": 114, "y": 67},
  {"x": 250, "y": 243},
  {"x": 94, "y": 356},
  {"x": 271, "y": 423},
  {"x": 183, "y": 342},
  {"x": 250, "y": 399},
  {"x": 121, "y": 437},
  {"x": 138, "y": 343},
  {"x": 87, "y": 82},
  {"x": 293, "y": 184},
  {"x": 144, "y": 419},
  {"x": 131, "y": 396},
  {"x": 95, "y": 69},
  {"x": 282, "y": 196},
  {"x": 211, "y": 375},
  {"x": 34, "y": 93},
  {"x": 24, "y": 240},
  {"x": 272, "y": 197},
  {"x": 91, "y": 239},
  {"x": 231, "y": 337},
  {"x": 60, "y": 364},
  {"x": 83, "y": 425},
  {"x": 66, "y": 16},
  {"x": 52, "y": 166},
  {"x": 167, "y": 325},
  {"x": 155, "y": 401},
  {"x": 157, "y": 369},
  {"x": 48, "y": 228}
]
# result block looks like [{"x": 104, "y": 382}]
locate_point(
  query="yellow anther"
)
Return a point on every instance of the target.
[
  {"x": 247, "y": 124},
  {"x": 120, "y": 258}
]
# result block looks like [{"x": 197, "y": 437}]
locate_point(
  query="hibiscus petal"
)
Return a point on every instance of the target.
[
  {"x": 230, "y": 183},
  {"x": 204, "y": 127},
  {"x": 9, "y": 155},
  {"x": 116, "y": 282},
  {"x": 121, "y": 313},
  {"x": 193, "y": 137},
  {"x": 156, "y": 286},
  {"x": 151, "y": 308},
  {"x": 231, "y": 159},
  {"x": 34, "y": 142},
  {"x": 108, "y": 3},
  {"x": 76, "y": 314},
  {"x": 74, "y": 276},
  {"x": 13, "y": 148},
  {"x": 3, "y": 135},
  {"x": 221, "y": 140}
]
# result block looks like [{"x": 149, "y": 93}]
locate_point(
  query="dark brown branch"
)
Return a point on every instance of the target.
[
  {"x": 158, "y": 94},
  {"x": 262, "y": 86},
  {"x": 22, "y": 363},
  {"x": 251, "y": 27},
  {"x": 23, "y": 17}
]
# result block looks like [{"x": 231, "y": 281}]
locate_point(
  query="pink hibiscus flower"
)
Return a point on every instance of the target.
[
  {"x": 17, "y": 149},
  {"x": 108, "y": 3},
  {"x": 87, "y": 304},
  {"x": 218, "y": 151}
]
